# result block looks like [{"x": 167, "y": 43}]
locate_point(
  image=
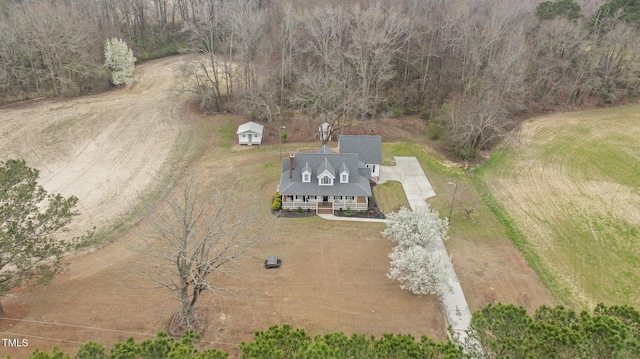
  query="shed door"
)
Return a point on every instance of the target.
[{"x": 250, "y": 141}]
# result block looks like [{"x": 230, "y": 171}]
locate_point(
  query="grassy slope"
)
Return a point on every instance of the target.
[{"x": 571, "y": 186}]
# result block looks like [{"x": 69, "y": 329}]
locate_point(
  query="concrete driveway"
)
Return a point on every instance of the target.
[
  {"x": 418, "y": 189},
  {"x": 415, "y": 184}
]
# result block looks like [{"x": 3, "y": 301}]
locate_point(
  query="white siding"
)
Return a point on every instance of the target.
[
  {"x": 243, "y": 138},
  {"x": 375, "y": 169}
]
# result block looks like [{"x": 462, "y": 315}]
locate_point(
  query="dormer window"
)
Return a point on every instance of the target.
[
  {"x": 344, "y": 173},
  {"x": 326, "y": 173},
  {"x": 306, "y": 173}
]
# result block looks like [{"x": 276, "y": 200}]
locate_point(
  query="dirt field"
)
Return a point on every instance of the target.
[
  {"x": 105, "y": 149},
  {"x": 333, "y": 276}
]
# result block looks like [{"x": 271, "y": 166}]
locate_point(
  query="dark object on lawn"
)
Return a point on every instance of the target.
[{"x": 272, "y": 262}]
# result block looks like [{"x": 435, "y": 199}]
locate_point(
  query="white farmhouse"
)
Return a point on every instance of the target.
[
  {"x": 326, "y": 181},
  {"x": 250, "y": 133}
]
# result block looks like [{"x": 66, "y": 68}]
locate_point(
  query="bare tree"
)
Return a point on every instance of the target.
[
  {"x": 324, "y": 41},
  {"x": 49, "y": 49},
  {"x": 208, "y": 71},
  {"x": 493, "y": 55},
  {"x": 247, "y": 24},
  {"x": 475, "y": 125},
  {"x": 196, "y": 237},
  {"x": 615, "y": 64},
  {"x": 562, "y": 71},
  {"x": 264, "y": 102},
  {"x": 324, "y": 90},
  {"x": 377, "y": 35},
  {"x": 471, "y": 199},
  {"x": 327, "y": 98},
  {"x": 287, "y": 29}
]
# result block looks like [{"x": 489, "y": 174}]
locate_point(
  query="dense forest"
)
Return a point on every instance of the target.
[{"x": 467, "y": 66}]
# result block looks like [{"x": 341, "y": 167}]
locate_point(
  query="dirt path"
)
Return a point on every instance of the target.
[{"x": 105, "y": 149}]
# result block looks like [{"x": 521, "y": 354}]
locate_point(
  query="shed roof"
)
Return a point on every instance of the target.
[{"x": 250, "y": 127}]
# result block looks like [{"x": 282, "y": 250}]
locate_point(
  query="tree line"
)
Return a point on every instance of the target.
[
  {"x": 497, "y": 331},
  {"x": 466, "y": 66}
]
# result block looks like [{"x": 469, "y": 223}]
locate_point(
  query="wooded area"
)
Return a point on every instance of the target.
[{"x": 467, "y": 66}]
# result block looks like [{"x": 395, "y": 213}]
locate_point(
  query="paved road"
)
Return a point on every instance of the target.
[{"x": 417, "y": 188}]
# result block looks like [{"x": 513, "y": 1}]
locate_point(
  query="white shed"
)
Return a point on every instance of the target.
[{"x": 250, "y": 133}]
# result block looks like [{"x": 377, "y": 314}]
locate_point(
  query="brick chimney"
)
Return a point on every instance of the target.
[{"x": 292, "y": 163}]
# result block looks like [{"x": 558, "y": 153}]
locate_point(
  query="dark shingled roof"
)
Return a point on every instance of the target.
[
  {"x": 324, "y": 149},
  {"x": 325, "y": 166},
  {"x": 358, "y": 180},
  {"x": 368, "y": 148}
]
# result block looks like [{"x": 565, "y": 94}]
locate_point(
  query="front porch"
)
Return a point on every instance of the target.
[{"x": 325, "y": 204}]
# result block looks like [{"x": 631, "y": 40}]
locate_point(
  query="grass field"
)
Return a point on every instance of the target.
[{"x": 570, "y": 184}]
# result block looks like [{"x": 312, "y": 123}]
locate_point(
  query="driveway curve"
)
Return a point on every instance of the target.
[{"x": 418, "y": 189}]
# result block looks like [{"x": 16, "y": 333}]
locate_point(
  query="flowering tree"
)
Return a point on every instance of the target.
[
  {"x": 419, "y": 227},
  {"x": 419, "y": 270},
  {"x": 419, "y": 266},
  {"x": 119, "y": 60}
]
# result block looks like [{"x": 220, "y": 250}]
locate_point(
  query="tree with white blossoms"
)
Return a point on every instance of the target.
[
  {"x": 419, "y": 227},
  {"x": 119, "y": 60},
  {"x": 419, "y": 266},
  {"x": 419, "y": 270}
]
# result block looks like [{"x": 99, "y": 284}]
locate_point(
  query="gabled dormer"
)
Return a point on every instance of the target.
[
  {"x": 326, "y": 173},
  {"x": 306, "y": 173},
  {"x": 344, "y": 173}
]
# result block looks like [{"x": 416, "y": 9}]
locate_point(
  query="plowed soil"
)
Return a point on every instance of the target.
[{"x": 105, "y": 149}]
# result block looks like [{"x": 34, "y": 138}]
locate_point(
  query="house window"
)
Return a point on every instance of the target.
[
  {"x": 243, "y": 135},
  {"x": 306, "y": 177},
  {"x": 344, "y": 178},
  {"x": 326, "y": 180},
  {"x": 374, "y": 168}
]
